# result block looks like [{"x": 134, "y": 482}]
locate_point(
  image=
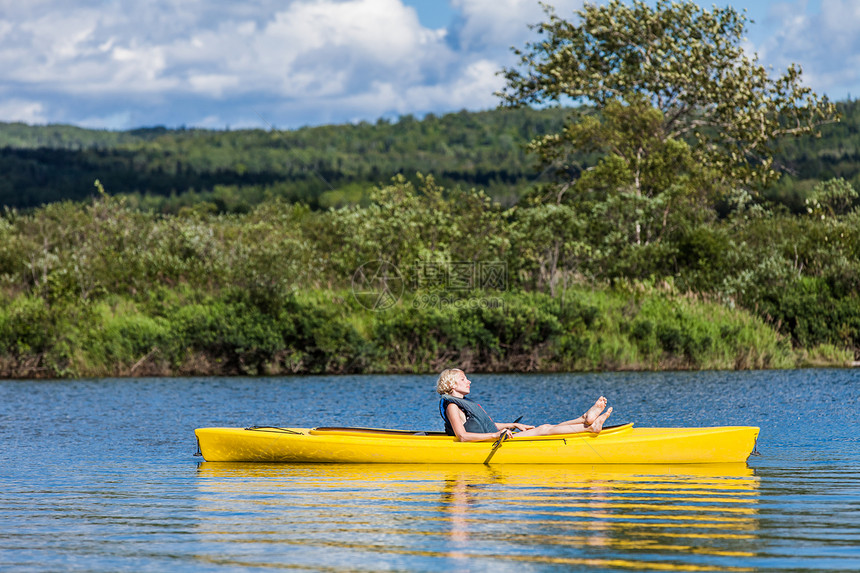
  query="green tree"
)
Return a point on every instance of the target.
[
  {"x": 683, "y": 62},
  {"x": 640, "y": 173},
  {"x": 405, "y": 225},
  {"x": 548, "y": 240},
  {"x": 831, "y": 198}
]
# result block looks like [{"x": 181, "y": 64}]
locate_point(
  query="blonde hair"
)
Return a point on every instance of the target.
[{"x": 447, "y": 380}]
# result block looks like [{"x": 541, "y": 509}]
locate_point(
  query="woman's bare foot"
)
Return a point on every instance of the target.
[
  {"x": 594, "y": 411},
  {"x": 597, "y": 424}
]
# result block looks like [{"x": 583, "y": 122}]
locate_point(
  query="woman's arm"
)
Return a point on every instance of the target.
[
  {"x": 457, "y": 418},
  {"x": 513, "y": 426}
]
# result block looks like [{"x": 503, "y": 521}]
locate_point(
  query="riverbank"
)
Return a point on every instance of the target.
[{"x": 182, "y": 332}]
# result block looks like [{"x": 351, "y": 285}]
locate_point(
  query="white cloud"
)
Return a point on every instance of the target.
[
  {"x": 472, "y": 89},
  {"x": 22, "y": 110},
  {"x": 823, "y": 41},
  {"x": 117, "y": 120},
  {"x": 380, "y": 30},
  {"x": 493, "y": 25},
  {"x": 213, "y": 84},
  {"x": 157, "y": 61},
  {"x": 326, "y": 48}
]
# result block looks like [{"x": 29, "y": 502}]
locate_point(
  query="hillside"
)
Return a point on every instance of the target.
[
  {"x": 322, "y": 166},
  {"x": 165, "y": 169}
]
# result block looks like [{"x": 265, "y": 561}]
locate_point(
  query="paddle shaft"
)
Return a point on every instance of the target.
[
  {"x": 498, "y": 443},
  {"x": 502, "y": 438}
]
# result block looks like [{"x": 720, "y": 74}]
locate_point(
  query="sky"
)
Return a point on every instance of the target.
[{"x": 121, "y": 64}]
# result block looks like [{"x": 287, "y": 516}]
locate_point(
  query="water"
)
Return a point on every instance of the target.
[{"x": 98, "y": 475}]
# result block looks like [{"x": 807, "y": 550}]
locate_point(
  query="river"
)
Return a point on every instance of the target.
[{"x": 99, "y": 475}]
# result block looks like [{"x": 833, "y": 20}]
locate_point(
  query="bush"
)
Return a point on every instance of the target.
[{"x": 811, "y": 315}]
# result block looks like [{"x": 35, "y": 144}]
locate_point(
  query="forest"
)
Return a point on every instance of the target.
[
  {"x": 604, "y": 236},
  {"x": 328, "y": 166},
  {"x": 164, "y": 170}
]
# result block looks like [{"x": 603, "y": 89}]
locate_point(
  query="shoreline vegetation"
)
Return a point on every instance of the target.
[
  {"x": 183, "y": 333},
  {"x": 102, "y": 289}
]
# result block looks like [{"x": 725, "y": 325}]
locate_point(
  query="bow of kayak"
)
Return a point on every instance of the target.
[{"x": 616, "y": 445}]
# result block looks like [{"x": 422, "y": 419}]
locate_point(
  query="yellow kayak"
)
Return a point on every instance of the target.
[{"x": 614, "y": 445}]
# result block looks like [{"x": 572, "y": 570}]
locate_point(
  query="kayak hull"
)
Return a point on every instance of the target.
[{"x": 619, "y": 445}]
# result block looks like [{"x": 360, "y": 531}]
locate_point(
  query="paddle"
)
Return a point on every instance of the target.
[{"x": 498, "y": 443}]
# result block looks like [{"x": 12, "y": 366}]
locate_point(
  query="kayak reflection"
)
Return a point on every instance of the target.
[{"x": 667, "y": 517}]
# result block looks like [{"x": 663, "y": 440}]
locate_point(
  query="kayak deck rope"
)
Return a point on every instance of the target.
[{"x": 274, "y": 428}]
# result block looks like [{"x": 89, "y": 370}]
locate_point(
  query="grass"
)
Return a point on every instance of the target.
[{"x": 590, "y": 329}]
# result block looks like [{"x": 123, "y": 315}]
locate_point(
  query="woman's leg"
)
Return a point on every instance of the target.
[
  {"x": 552, "y": 429},
  {"x": 567, "y": 427}
]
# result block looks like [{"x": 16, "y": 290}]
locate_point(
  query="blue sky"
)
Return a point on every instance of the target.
[{"x": 119, "y": 64}]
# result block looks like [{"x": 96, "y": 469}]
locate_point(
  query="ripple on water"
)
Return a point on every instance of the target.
[{"x": 642, "y": 517}]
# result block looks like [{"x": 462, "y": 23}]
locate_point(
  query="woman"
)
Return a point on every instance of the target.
[{"x": 468, "y": 421}]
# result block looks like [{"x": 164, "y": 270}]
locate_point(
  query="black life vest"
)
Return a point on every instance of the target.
[{"x": 477, "y": 420}]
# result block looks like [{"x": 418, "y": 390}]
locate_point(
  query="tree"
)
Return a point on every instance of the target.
[
  {"x": 408, "y": 226},
  {"x": 682, "y": 76},
  {"x": 832, "y": 198},
  {"x": 548, "y": 238}
]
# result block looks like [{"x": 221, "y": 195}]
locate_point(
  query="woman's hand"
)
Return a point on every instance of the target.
[
  {"x": 505, "y": 431},
  {"x": 520, "y": 427}
]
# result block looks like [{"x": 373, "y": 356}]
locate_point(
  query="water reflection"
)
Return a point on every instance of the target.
[{"x": 684, "y": 518}]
